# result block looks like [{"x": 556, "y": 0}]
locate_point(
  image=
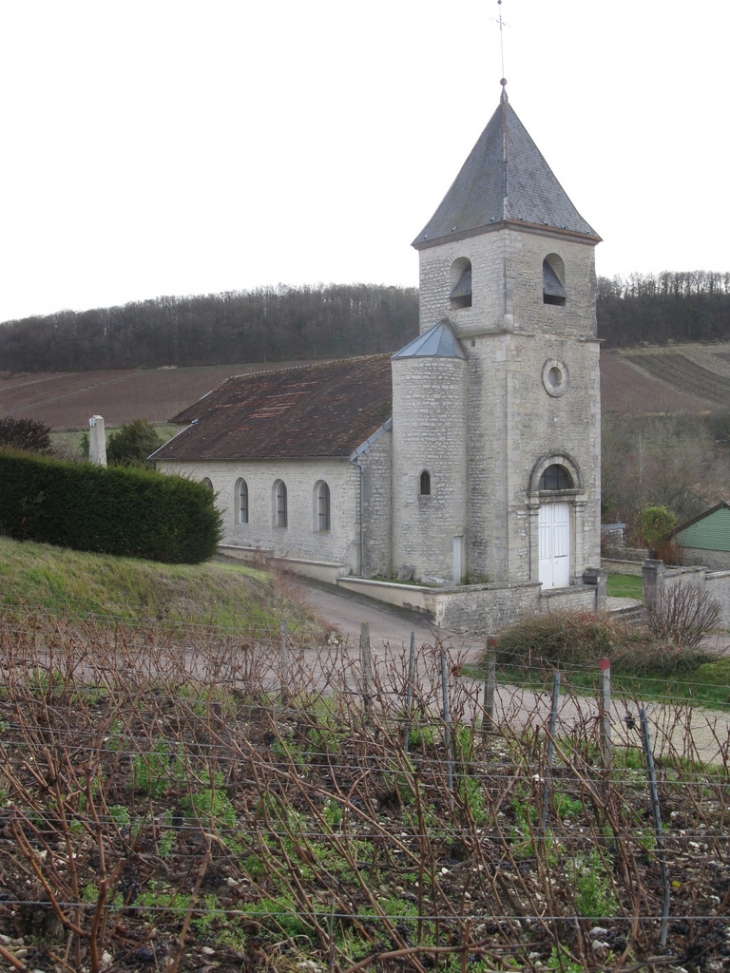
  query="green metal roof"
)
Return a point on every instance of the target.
[{"x": 708, "y": 532}]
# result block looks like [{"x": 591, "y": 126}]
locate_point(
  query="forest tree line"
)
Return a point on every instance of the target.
[
  {"x": 266, "y": 324},
  {"x": 671, "y": 306},
  {"x": 286, "y": 323}
]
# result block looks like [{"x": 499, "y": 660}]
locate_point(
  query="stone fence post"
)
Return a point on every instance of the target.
[
  {"x": 653, "y": 572},
  {"x": 597, "y": 577},
  {"x": 97, "y": 441}
]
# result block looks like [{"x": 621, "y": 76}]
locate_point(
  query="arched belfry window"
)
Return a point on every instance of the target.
[
  {"x": 553, "y": 280},
  {"x": 425, "y": 484},
  {"x": 555, "y": 478},
  {"x": 460, "y": 295}
]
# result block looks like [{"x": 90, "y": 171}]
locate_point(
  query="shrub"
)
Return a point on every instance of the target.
[
  {"x": 125, "y": 512},
  {"x": 684, "y": 614},
  {"x": 557, "y": 638},
  {"x": 132, "y": 444},
  {"x": 561, "y": 639},
  {"x": 25, "y": 434},
  {"x": 654, "y": 524}
]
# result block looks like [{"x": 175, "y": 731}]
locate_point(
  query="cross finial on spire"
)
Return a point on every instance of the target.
[{"x": 502, "y": 25}]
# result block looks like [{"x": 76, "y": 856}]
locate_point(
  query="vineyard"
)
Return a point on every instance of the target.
[
  {"x": 685, "y": 374},
  {"x": 187, "y": 800},
  {"x": 66, "y": 400},
  {"x": 647, "y": 380}
]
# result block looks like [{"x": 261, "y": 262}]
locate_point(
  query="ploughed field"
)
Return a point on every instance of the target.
[
  {"x": 188, "y": 800},
  {"x": 671, "y": 378},
  {"x": 66, "y": 400}
]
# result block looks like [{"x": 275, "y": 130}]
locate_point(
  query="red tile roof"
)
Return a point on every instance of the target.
[{"x": 321, "y": 409}]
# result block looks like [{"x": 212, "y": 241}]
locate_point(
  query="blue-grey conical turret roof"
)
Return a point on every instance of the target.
[
  {"x": 504, "y": 180},
  {"x": 440, "y": 341}
]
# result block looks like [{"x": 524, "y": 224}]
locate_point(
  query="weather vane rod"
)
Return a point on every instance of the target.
[{"x": 502, "y": 25}]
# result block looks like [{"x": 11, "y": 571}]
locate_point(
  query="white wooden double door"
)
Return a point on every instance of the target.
[{"x": 554, "y": 525}]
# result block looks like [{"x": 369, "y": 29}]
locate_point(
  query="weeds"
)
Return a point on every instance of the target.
[{"x": 594, "y": 895}]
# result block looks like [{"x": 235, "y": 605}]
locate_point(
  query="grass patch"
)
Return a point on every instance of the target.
[
  {"x": 625, "y": 586},
  {"x": 230, "y": 597},
  {"x": 68, "y": 443}
]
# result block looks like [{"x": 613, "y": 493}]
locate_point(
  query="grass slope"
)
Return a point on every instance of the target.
[{"x": 62, "y": 581}]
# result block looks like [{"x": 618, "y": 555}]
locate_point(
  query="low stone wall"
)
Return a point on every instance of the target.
[
  {"x": 638, "y": 554},
  {"x": 476, "y": 609},
  {"x": 317, "y": 570},
  {"x": 414, "y": 597},
  {"x": 718, "y": 584},
  {"x": 659, "y": 579},
  {"x": 484, "y": 609},
  {"x": 714, "y": 560},
  {"x": 615, "y": 566}
]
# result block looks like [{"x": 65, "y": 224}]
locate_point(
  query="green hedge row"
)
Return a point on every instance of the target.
[{"x": 122, "y": 511}]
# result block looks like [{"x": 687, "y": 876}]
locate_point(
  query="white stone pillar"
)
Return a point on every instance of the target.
[{"x": 97, "y": 441}]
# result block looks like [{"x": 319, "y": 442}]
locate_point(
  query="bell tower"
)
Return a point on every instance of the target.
[{"x": 509, "y": 262}]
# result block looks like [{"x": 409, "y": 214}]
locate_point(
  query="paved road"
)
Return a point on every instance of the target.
[
  {"x": 346, "y": 611},
  {"x": 697, "y": 733}
]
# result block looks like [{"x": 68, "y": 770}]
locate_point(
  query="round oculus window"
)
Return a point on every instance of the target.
[{"x": 555, "y": 377}]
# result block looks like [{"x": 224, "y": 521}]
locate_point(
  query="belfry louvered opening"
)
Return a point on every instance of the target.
[
  {"x": 553, "y": 274},
  {"x": 460, "y": 295}
]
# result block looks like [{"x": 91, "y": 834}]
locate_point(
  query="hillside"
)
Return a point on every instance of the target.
[
  {"x": 692, "y": 378},
  {"x": 666, "y": 378},
  {"x": 65, "y": 400}
]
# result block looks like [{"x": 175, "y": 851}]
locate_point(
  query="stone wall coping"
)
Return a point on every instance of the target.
[
  {"x": 567, "y": 590},
  {"x": 438, "y": 589},
  {"x": 269, "y": 555}
]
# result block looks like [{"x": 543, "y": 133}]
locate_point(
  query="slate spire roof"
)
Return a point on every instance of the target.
[
  {"x": 440, "y": 341},
  {"x": 504, "y": 180}
]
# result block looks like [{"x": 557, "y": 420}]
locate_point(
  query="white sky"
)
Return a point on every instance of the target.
[{"x": 158, "y": 147}]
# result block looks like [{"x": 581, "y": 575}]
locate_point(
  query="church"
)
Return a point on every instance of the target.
[{"x": 470, "y": 459}]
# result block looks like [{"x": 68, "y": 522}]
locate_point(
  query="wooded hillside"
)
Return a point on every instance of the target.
[
  {"x": 672, "y": 306},
  {"x": 267, "y": 324},
  {"x": 288, "y": 323}
]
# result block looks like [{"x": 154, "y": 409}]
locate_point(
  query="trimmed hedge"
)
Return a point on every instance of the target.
[{"x": 123, "y": 511}]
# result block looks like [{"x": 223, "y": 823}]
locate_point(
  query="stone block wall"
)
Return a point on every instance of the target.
[
  {"x": 514, "y": 423},
  {"x": 378, "y": 507},
  {"x": 507, "y": 283},
  {"x": 489, "y": 609},
  {"x": 717, "y": 583},
  {"x": 714, "y": 560},
  {"x": 429, "y": 434},
  {"x": 301, "y": 537}
]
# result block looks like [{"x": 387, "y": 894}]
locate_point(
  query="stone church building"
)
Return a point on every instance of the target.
[{"x": 472, "y": 454}]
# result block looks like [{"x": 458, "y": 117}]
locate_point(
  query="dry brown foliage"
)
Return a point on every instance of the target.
[{"x": 164, "y": 809}]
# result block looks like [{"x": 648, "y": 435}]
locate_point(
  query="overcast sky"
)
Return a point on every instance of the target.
[{"x": 158, "y": 147}]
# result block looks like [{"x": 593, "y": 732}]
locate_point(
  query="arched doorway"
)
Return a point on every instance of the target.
[{"x": 554, "y": 488}]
